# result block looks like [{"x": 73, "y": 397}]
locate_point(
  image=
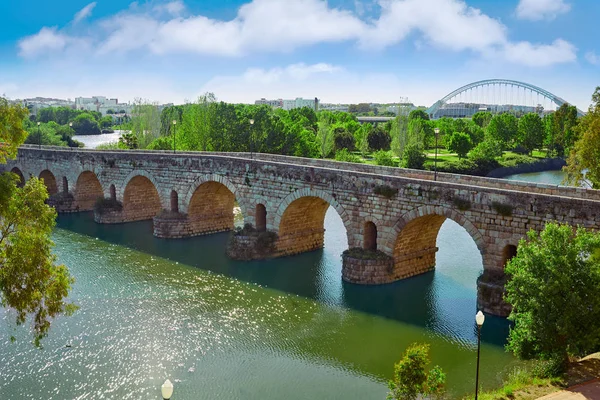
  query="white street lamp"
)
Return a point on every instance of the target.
[
  {"x": 437, "y": 132},
  {"x": 479, "y": 319},
  {"x": 167, "y": 390},
  {"x": 251, "y": 138}
]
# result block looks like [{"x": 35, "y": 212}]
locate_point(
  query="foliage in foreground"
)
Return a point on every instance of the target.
[
  {"x": 412, "y": 380},
  {"x": 31, "y": 283},
  {"x": 553, "y": 286}
]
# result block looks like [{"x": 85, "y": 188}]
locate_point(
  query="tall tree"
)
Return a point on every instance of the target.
[
  {"x": 531, "y": 132},
  {"x": 482, "y": 118},
  {"x": 584, "y": 159},
  {"x": 31, "y": 283},
  {"x": 503, "y": 128},
  {"x": 553, "y": 288},
  {"x": 325, "y": 138}
]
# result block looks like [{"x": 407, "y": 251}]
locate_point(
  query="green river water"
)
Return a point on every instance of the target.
[{"x": 288, "y": 328}]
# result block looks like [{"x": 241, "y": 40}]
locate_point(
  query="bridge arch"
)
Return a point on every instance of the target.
[
  {"x": 414, "y": 247},
  {"x": 87, "y": 190},
  {"x": 299, "y": 220},
  {"x": 209, "y": 204},
  {"x": 50, "y": 181},
  {"x": 141, "y": 199},
  {"x": 18, "y": 172},
  {"x": 491, "y": 82}
]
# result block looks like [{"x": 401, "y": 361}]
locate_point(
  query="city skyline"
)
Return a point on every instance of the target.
[{"x": 340, "y": 51}]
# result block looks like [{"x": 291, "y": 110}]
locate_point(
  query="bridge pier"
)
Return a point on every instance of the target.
[{"x": 176, "y": 225}]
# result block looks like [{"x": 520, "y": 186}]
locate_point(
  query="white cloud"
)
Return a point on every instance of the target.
[
  {"x": 84, "y": 12},
  {"x": 536, "y": 10},
  {"x": 449, "y": 24},
  {"x": 293, "y": 72},
  {"x": 540, "y": 55},
  {"x": 592, "y": 58},
  {"x": 262, "y": 26},
  {"x": 45, "y": 41}
]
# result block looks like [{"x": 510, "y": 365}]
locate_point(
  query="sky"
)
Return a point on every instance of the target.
[{"x": 341, "y": 51}]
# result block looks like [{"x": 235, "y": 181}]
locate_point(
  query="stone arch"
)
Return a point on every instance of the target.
[
  {"x": 370, "y": 236},
  {"x": 87, "y": 190},
  {"x": 509, "y": 251},
  {"x": 300, "y": 219},
  {"x": 260, "y": 217},
  {"x": 18, "y": 172},
  {"x": 133, "y": 174},
  {"x": 209, "y": 178},
  {"x": 210, "y": 205},
  {"x": 50, "y": 181},
  {"x": 416, "y": 235},
  {"x": 174, "y": 201},
  {"x": 141, "y": 200}
]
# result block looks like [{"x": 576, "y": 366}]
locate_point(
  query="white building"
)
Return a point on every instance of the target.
[
  {"x": 300, "y": 102},
  {"x": 273, "y": 103}
]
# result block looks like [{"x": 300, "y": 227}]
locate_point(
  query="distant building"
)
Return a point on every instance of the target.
[
  {"x": 273, "y": 103},
  {"x": 291, "y": 104}
]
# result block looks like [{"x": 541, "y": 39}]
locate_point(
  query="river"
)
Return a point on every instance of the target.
[{"x": 153, "y": 309}]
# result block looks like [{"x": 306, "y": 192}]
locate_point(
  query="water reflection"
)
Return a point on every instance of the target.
[{"x": 443, "y": 301}]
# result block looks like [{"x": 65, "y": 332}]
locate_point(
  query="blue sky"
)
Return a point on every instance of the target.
[{"x": 338, "y": 50}]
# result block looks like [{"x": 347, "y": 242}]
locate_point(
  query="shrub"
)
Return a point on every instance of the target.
[
  {"x": 486, "y": 151},
  {"x": 107, "y": 204},
  {"x": 460, "y": 143},
  {"x": 385, "y": 191},
  {"x": 412, "y": 380},
  {"x": 345, "y": 155},
  {"x": 362, "y": 254},
  {"x": 503, "y": 209},
  {"x": 384, "y": 158},
  {"x": 413, "y": 156}
]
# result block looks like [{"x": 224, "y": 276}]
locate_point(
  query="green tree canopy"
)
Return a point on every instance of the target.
[
  {"x": 553, "y": 287},
  {"x": 531, "y": 132},
  {"x": 482, "y": 118},
  {"x": 86, "y": 124},
  {"x": 411, "y": 378},
  {"x": 418, "y": 114},
  {"x": 31, "y": 283},
  {"x": 503, "y": 129},
  {"x": 460, "y": 143}
]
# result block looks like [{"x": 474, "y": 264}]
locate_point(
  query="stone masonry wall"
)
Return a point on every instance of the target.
[{"x": 495, "y": 213}]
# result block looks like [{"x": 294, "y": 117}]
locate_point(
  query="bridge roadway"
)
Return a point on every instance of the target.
[{"x": 395, "y": 211}]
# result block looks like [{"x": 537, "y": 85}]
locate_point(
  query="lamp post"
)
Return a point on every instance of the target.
[
  {"x": 251, "y": 138},
  {"x": 39, "y": 136},
  {"x": 166, "y": 390},
  {"x": 479, "y": 318},
  {"x": 174, "y": 144},
  {"x": 437, "y": 132}
]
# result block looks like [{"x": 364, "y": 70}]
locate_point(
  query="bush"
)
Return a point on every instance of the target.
[
  {"x": 460, "y": 143},
  {"x": 107, "y": 204},
  {"x": 362, "y": 254},
  {"x": 413, "y": 156},
  {"x": 486, "y": 151},
  {"x": 345, "y": 155},
  {"x": 379, "y": 139},
  {"x": 384, "y": 158},
  {"x": 386, "y": 191},
  {"x": 512, "y": 160},
  {"x": 412, "y": 380}
]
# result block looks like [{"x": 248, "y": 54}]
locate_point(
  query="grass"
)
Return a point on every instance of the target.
[{"x": 521, "y": 385}]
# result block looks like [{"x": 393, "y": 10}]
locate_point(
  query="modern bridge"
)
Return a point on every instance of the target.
[
  {"x": 396, "y": 211},
  {"x": 499, "y": 95}
]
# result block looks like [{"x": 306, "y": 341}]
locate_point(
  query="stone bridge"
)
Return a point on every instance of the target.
[{"x": 392, "y": 216}]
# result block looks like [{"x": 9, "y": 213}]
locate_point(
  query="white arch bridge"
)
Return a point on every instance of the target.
[{"x": 496, "y": 95}]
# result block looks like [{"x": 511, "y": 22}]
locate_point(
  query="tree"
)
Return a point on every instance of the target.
[
  {"x": 85, "y": 124},
  {"x": 413, "y": 156},
  {"x": 418, "y": 114},
  {"x": 460, "y": 143},
  {"x": 145, "y": 121},
  {"x": 31, "y": 283},
  {"x": 565, "y": 123},
  {"x": 503, "y": 128},
  {"x": 584, "y": 159},
  {"x": 486, "y": 151},
  {"x": 325, "y": 139},
  {"x": 553, "y": 288},
  {"x": 482, "y": 118},
  {"x": 412, "y": 380},
  {"x": 379, "y": 139},
  {"x": 343, "y": 139},
  {"x": 531, "y": 132},
  {"x": 106, "y": 122}
]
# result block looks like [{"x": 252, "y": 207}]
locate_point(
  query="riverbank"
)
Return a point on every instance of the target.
[
  {"x": 547, "y": 164},
  {"x": 521, "y": 385}
]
